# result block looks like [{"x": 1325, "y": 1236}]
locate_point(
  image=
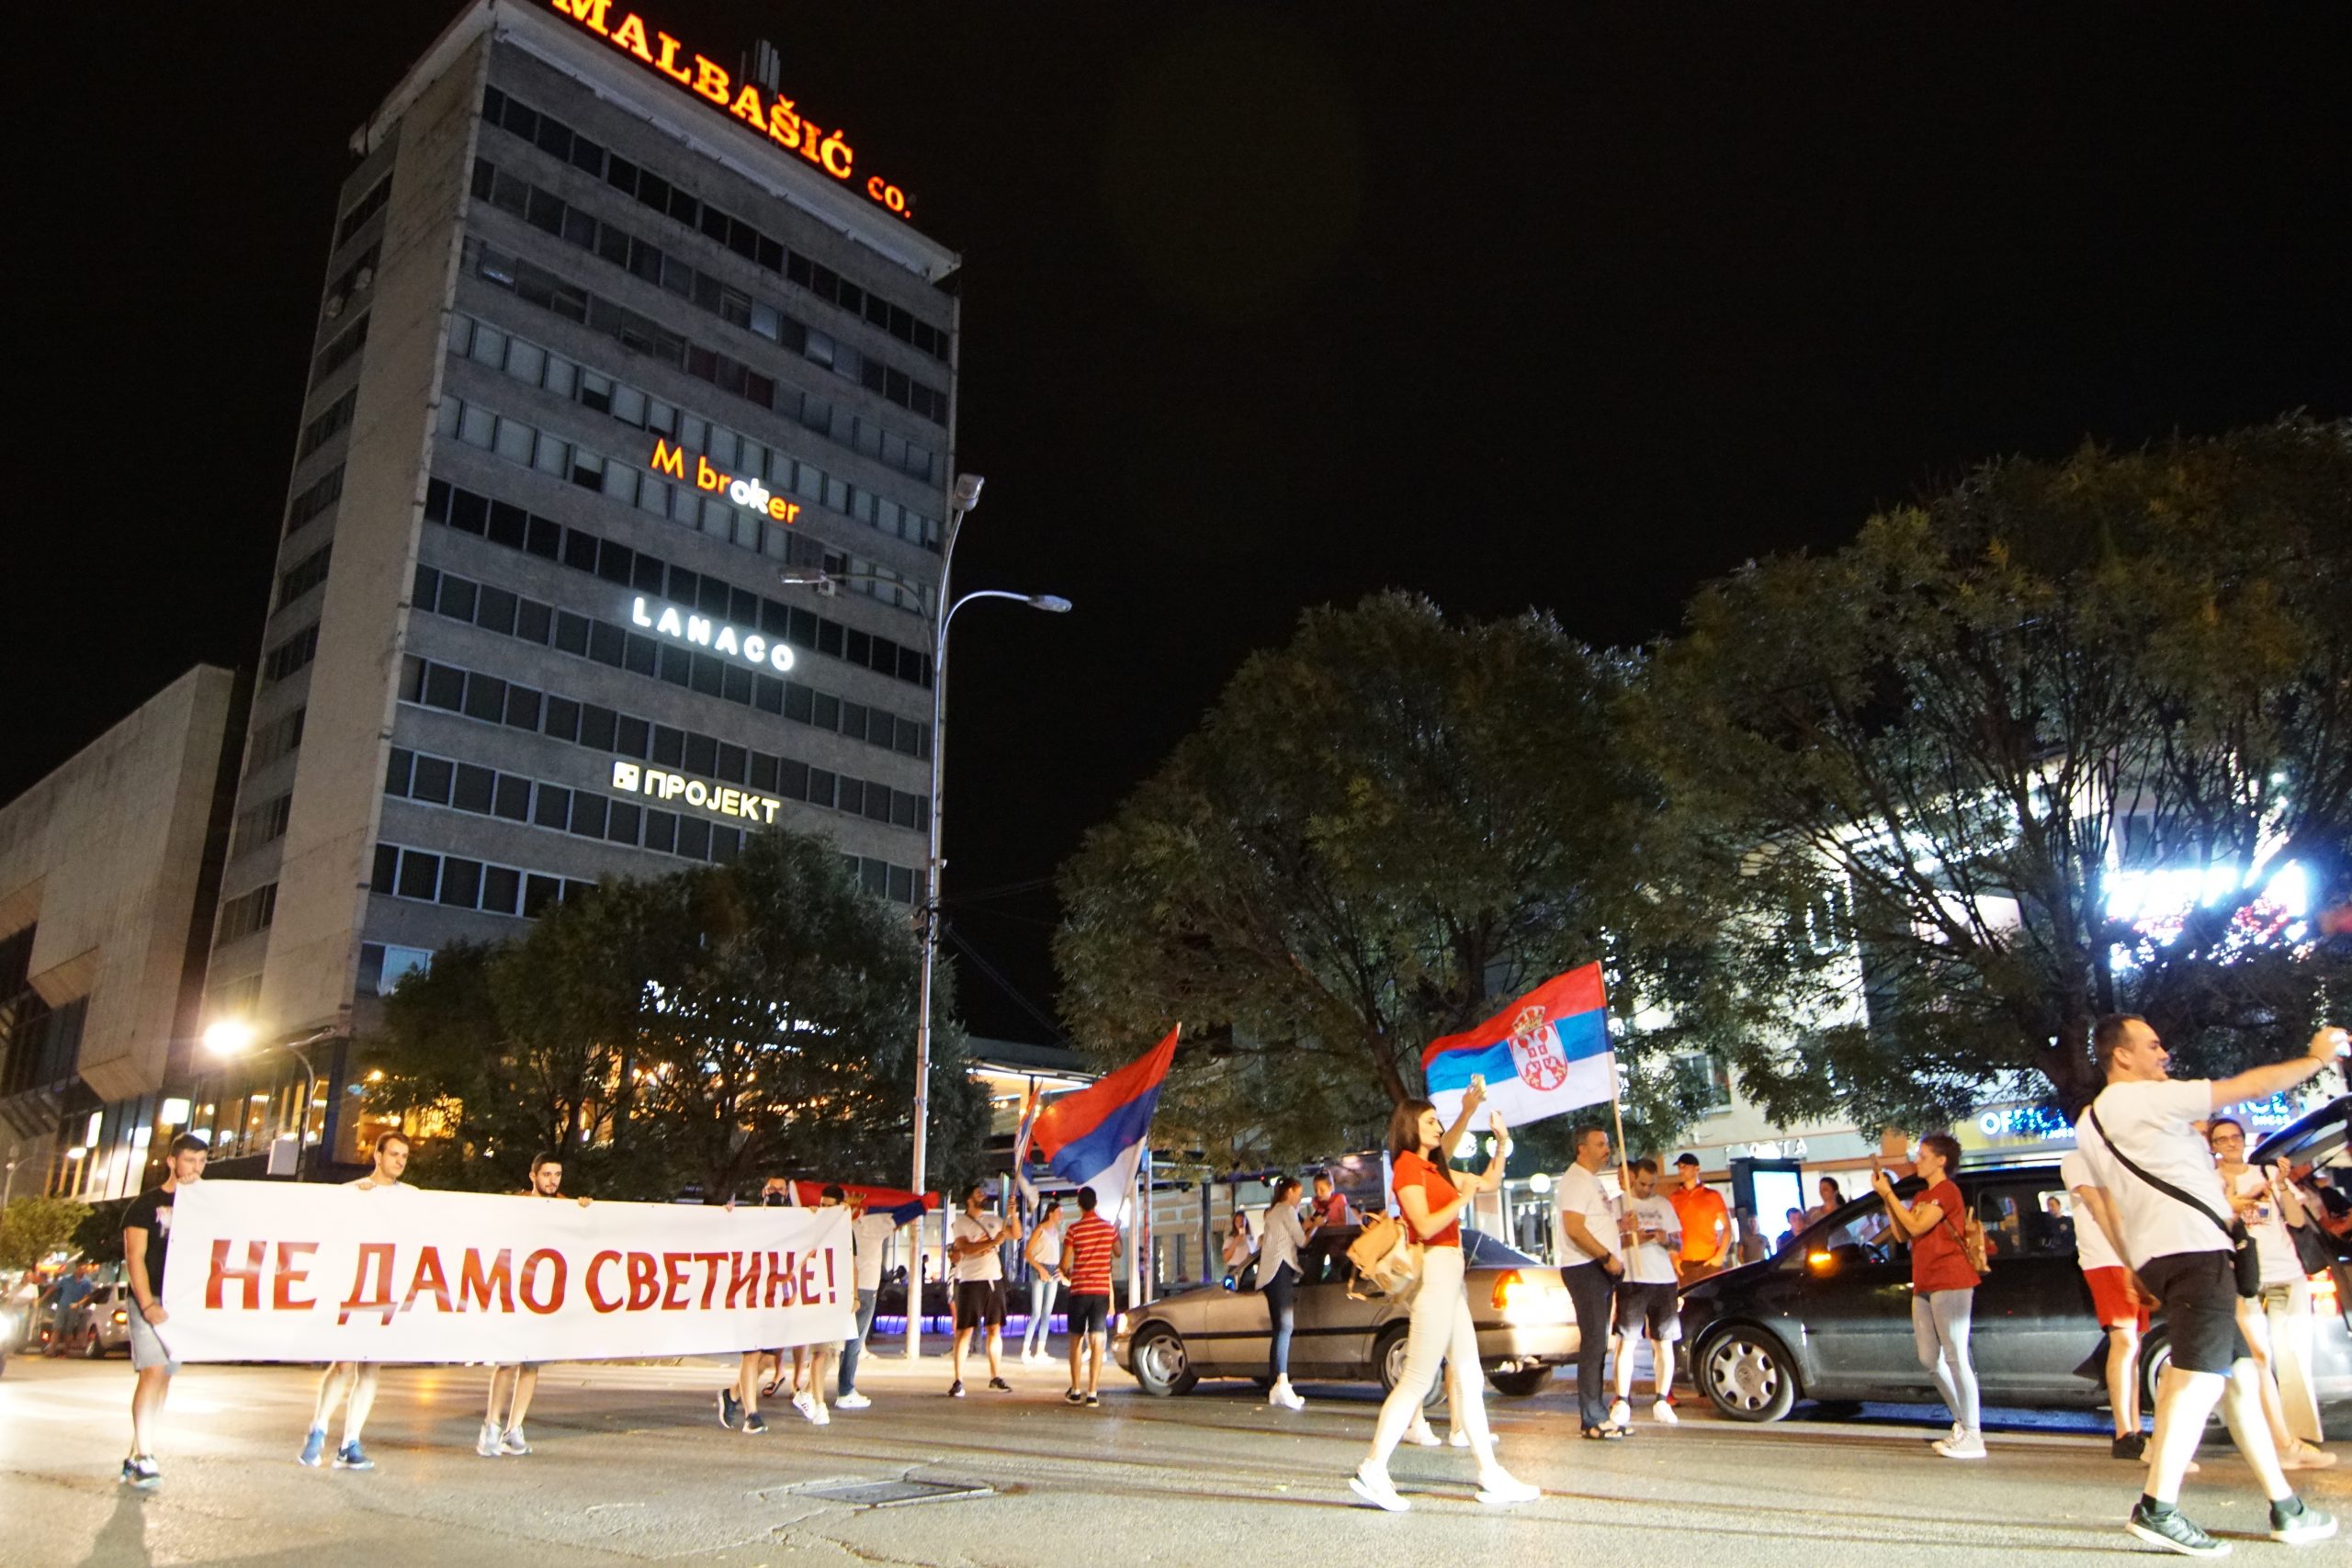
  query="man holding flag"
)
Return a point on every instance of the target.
[{"x": 1096, "y": 1137}]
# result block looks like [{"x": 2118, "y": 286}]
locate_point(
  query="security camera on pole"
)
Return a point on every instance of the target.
[{"x": 964, "y": 496}]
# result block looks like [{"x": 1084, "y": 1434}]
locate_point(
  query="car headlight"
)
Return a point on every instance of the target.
[
  {"x": 1523, "y": 1296},
  {"x": 122, "y": 1318}
]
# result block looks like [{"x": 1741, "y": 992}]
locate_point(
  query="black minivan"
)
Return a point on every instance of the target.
[{"x": 1829, "y": 1316}]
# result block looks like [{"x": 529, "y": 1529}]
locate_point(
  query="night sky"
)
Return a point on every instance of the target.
[{"x": 1266, "y": 306}]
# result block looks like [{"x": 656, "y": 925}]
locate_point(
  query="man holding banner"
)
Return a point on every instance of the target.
[{"x": 355, "y": 1379}]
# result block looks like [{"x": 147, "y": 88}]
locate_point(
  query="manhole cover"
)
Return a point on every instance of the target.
[{"x": 888, "y": 1494}]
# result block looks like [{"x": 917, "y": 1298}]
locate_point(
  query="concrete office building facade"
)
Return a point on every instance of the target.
[
  {"x": 110, "y": 869},
  {"x": 596, "y": 361}
]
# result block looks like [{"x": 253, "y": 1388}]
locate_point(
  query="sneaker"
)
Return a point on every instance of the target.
[
  {"x": 1967, "y": 1446},
  {"x": 1093, "y": 1400},
  {"x": 1375, "y": 1488},
  {"x": 1000, "y": 1385},
  {"x": 139, "y": 1471},
  {"x": 852, "y": 1400},
  {"x": 351, "y": 1456},
  {"x": 2303, "y": 1456},
  {"x": 487, "y": 1445},
  {"x": 731, "y": 1409},
  {"x": 755, "y": 1424},
  {"x": 513, "y": 1443},
  {"x": 314, "y": 1448},
  {"x": 956, "y": 1389},
  {"x": 2133, "y": 1447},
  {"x": 2160, "y": 1524},
  {"x": 1458, "y": 1439},
  {"x": 2292, "y": 1521},
  {"x": 1497, "y": 1488},
  {"x": 1421, "y": 1434},
  {"x": 1621, "y": 1413},
  {"x": 1663, "y": 1414},
  {"x": 805, "y": 1403},
  {"x": 1073, "y": 1397}
]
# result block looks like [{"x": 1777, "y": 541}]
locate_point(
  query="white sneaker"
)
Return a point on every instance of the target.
[
  {"x": 1375, "y": 1487},
  {"x": 1497, "y": 1487},
  {"x": 852, "y": 1400},
  {"x": 1458, "y": 1439},
  {"x": 1621, "y": 1413},
  {"x": 805, "y": 1403},
  {"x": 1968, "y": 1445},
  {"x": 1422, "y": 1435},
  {"x": 1663, "y": 1414},
  {"x": 513, "y": 1443},
  {"x": 487, "y": 1444}
]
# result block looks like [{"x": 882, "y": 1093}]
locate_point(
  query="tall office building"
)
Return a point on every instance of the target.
[{"x": 611, "y": 336}]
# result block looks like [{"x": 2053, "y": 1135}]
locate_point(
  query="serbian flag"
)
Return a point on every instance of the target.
[
  {"x": 1546, "y": 1053},
  {"x": 1095, "y": 1137}
]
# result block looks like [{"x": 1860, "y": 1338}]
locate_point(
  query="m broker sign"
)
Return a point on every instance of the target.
[{"x": 750, "y": 494}]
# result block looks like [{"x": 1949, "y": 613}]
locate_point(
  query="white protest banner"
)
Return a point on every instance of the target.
[{"x": 283, "y": 1272}]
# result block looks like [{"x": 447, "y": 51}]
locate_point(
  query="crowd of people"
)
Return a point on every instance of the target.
[{"x": 2167, "y": 1215}]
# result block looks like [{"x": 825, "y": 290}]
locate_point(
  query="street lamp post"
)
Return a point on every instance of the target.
[
  {"x": 966, "y": 496},
  {"x": 230, "y": 1038}
]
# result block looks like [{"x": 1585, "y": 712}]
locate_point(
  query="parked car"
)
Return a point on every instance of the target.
[
  {"x": 1828, "y": 1317},
  {"x": 1526, "y": 1327},
  {"x": 106, "y": 1322}
]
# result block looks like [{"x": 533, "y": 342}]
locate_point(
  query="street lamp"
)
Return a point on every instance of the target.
[
  {"x": 230, "y": 1038},
  {"x": 964, "y": 496}
]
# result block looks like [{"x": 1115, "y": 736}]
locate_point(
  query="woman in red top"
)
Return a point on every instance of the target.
[
  {"x": 1943, "y": 1287},
  {"x": 1419, "y": 1146}
]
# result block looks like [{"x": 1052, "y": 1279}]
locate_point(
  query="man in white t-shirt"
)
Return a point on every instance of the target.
[
  {"x": 869, "y": 1232},
  {"x": 1584, "y": 1238},
  {"x": 1647, "y": 1297},
  {"x": 976, "y": 1258},
  {"x": 2139, "y": 1132},
  {"x": 356, "y": 1379},
  {"x": 2122, "y": 1311}
]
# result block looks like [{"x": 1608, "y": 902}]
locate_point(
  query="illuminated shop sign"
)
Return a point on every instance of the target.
[
  {"x": 748, "y": 494},
  {"x": 2038, "y": 1124},
  {"x": 775, "y": 118},
  {"x": 716, "y": 635},
  {"x": 676, "y": 789}
]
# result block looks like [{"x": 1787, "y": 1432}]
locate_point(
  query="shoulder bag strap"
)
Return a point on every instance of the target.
[{"x": 2167, "y": 1188}]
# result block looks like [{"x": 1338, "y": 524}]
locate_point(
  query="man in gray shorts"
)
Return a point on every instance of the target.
[{"x": 146, "y": 1237}]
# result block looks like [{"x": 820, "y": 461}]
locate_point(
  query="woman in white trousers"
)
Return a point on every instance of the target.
[{"x": 1419, "y": 1147}]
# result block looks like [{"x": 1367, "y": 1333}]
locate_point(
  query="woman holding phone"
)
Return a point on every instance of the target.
[
  {"x": 1943, "y": 1287},
  {"x": 1280, "y": 1267},
  {"x": 1420, "y": 1147}
]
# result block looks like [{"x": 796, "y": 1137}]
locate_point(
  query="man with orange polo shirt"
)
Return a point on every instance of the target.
[{"x": 1706, "y": 1223}]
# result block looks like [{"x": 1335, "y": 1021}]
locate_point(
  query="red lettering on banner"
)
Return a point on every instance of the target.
[
  {"x": 281, "y": 1293},
  {"x": 644, "y": 1281},
  {"x": 556, "y": 1269},
  {"x": 380, "y": 1254},
  {"x": 673, "y": 1275},
  {"x": 428, "y": 1277},
  {"x": 832, "y": 1286},
  {"x": 595, "y": 1294},
  {"x": 476, "y": 1286},
  {"x": 809, "y": 1279},
  {"x": 742, "y": 1280},
  {"x": 710, "y": 1261},
  {"x": 780, "y": 1280},
  {"x": 256, "y": 1253}
]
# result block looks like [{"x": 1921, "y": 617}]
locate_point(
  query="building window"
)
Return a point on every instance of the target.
[{"x": 246, "y": 915}]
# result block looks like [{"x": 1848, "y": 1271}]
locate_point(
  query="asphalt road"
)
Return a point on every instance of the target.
[{"x": 632, "y": 1467}]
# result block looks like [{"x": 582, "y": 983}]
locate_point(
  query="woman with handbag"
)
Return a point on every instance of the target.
[
  {"x": 1943, "y": 1287},
  {"x": 2277, "y": 1323},
  {"x": 1280, "y": 1262},
  {"x": 1420, "y": 1147}
]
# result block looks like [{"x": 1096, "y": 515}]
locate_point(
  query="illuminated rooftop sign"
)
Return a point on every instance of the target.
[
  {"x": 777, "y": 119},
  {"x": 749, "y": 493},
  {"x": 685, "y": 626},
  {"x": 671, "y": 789}
]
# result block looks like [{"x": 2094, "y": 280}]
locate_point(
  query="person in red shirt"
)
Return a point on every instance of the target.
[
  {"x": 1087, "y": 1250},
  {"x": 1943, "y": 1287},
  {"x": 1706, "y": 1223}
]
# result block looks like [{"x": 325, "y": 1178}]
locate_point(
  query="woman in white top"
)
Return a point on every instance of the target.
[
  {"x": 1278, "y": 1275},
  {"x": 2278, "y": 1323},
  {"x": 1045, "y": 1255}
]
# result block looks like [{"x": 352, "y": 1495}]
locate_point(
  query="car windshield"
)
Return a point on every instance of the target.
[{"x": 1480, "y": 1250}]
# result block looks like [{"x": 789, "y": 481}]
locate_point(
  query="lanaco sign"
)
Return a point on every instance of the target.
[{"x": 778, "y": 119}]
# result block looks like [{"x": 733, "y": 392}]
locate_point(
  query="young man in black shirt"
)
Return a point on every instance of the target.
[{"x": 146, "y": 1237}]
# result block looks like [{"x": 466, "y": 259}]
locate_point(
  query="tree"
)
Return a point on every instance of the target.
[
  {"x": 32, "y": 1228},
  {"x": 1974, "y": 737},
  {"x": 699, "y": 1030},
  {"x": 1380, "y": 834}
]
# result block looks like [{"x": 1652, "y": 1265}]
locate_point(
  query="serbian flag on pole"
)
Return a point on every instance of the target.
[
  {"x": 1546, "y": 1053},
  {"x": 1095, "y": 1137}
]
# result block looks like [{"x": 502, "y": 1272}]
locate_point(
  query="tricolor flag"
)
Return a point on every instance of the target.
[
  {"x": 1095, "y": 1137},
  {"x": 1546, "y": 1053}
]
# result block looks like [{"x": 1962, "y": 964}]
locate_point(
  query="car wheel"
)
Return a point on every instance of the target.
[
  {"x": 1389, "y": 1359},
  {"x": 1161, "y": 1365},
  {"x": 1521, "y": 1384},
  {"x": 1747, "y": 1375}
]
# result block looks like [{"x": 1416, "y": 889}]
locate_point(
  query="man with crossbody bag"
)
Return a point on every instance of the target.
[{"x": 2159, "y": 1201}]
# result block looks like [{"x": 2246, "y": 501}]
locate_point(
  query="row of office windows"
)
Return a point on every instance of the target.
[
  {"x": 262, "y": 824},
  {"x": 510, "y": 615},
  {"x": 545, "y": 210},
  {"x": 527, "y": 446},
  {"x": 736, "y": 453},
  {"x": 502, "y": 523},
  {"x": 359, "y": 211},
  {"x": 303, "y": 575},
  {"x": 559, "y": 140},
  {"x": 246, "y": 914},
  {"x": 452, "y": 689},
  {"x": 290, "y": 655},
  {"x": 338, "y": 352},
  {"x": 276, "y": 738},
  {"x": 322, "y": 493},
  {"x": 431, "y": 878},
  {"x": 332, "y": 422},
  {"x": 359, "y": 275}
]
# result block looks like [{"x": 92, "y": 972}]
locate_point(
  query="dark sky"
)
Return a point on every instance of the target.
[{"x": 1266, "y": 306}]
